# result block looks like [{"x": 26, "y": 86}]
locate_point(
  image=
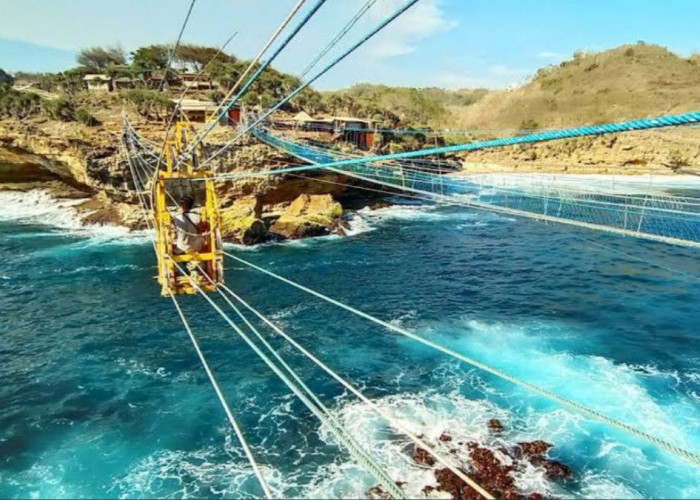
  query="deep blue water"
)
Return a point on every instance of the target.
[{"x": 102, "y": 395}]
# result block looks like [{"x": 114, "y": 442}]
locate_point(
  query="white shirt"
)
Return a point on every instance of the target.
[{"x": 188, "y": 238}]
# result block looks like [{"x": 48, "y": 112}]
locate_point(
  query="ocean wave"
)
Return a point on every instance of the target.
[
  {"x": 538, "y": 353},
  {"x": 41, "y": 208},
  {"x": 357, "y": 225},
  {"x": 101, "y": 269},
  {"x": 430, "y": 414},
  {"x": 136, "y": 368},
  {"x": 204, "y": 473}
]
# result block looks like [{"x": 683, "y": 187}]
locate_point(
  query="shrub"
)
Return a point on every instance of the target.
[
  {"x": 529, "y": 124},
  {"x": 629, "y": 52},
  {"x": 149, "y": 103},
  {"x": 85, "y": 117},
  {"x": 677, "y": 160},
  {"x": 59, "y": 109},
  {"x": 216, "y": 96},
  {"x": 18, "y": 105}
]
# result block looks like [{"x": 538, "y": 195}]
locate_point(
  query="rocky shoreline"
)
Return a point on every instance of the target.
[
  {"x": 254, "y": 210},
  {"x": 492, "y": 469},
  {"x": 72, "y": 162}
]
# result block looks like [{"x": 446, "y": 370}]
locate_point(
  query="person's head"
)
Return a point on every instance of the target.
[{"x": 187, "y": 202}]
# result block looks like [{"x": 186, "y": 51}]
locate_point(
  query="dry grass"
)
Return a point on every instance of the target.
[{"x": 632, "y": 81}]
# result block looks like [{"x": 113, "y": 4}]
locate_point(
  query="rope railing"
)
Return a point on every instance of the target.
[{"x": 662, "y": 218}]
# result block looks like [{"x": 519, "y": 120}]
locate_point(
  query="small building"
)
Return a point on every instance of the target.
[
  {"x": 123, "y": 82},
  {"x": 358, "y": 131},
  {"x": 159, "y": 80},
  {"x": 98, "y": 83},
  {"x": 351, "y": 123},
  {"x": 196, "y": 111},
  {"x": 194, "y": 81}
]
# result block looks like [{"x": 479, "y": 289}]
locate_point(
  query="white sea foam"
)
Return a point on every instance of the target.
[
  {"x": 39, "y": 207},
  {"x": 615, "y": 389},
  {"x": 100, "y": 269},
  {"x": 138, "y": 368},
  {"x": 199, "y": 473},
  {"x": 430, "y": 414},
  {"x": 356, "y": 224},
  {"x": 289, "y": 312}
]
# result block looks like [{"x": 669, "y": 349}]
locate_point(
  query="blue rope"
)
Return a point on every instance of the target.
[
  {"x": 262, "y": 68},
  {"x": 335, "y": 62},
  {"x": 569, "y": 133}
]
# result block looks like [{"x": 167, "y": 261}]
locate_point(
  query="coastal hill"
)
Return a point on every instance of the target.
[
  {"x": 632, "y": 81},
  {"x": 627, "y": 82}
]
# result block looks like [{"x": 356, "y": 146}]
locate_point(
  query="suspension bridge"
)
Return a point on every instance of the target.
[{"x": 654, "y": 216}]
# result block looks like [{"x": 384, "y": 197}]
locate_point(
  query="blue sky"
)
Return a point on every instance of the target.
[{"x": 446, "y": 43}]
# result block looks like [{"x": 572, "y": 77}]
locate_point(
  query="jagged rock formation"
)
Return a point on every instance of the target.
[{"x": 309, "y": 215}]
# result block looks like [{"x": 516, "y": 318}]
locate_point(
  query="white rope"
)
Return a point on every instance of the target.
[
  {"x": 188, "y": 87},
  {"x": 204, "y": 130},
  {"x": 387, "y": 416},
  {"x": 224, "y": 404},
  {"x": 353, "y": 448},
  {"x": 660, "y": 443},
  {"x": 205, "y": 364},
  {"x": 171, "y": 56}
]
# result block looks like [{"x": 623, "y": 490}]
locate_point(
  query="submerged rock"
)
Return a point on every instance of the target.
[
  {"x": 422, "y": 457},
  {"x": 491, "y": 469},
  {"x": 309, "y": 215},
  {"x": 495, "y": 426},
  {"x": 532, "y": 448}
]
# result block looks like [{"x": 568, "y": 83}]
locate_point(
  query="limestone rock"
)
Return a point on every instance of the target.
[
  {"x": 103, "y": 211},
  {"x": 242, "y": 223},
  {"x": 309, "y": 215}
]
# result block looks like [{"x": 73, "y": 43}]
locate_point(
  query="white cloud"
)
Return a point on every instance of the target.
[
  {"x": 497, "y": 76},
  {"x": 424, "y": 20},
  {"x": 550, "y": 55}
]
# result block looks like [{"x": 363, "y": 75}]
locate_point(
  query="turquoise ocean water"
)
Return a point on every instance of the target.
[{"x": 101, "y": 393}]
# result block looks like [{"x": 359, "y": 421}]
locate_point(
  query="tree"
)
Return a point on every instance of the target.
[
  {"x": 151, "y": 58},
  {"x": 149, "y": 103},
  {"x": 6, "y": 79},
  {"x": 196, "y": 57},
  {"x": 100, "y": 58}
]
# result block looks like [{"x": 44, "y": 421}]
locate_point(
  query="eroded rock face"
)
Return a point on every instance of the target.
[
  {"x": 242, "y": 222},
  {"x": 309, "y": 215}
]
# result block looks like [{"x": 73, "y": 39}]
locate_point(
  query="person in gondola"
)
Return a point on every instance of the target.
[{"x": 190, "y": 229}]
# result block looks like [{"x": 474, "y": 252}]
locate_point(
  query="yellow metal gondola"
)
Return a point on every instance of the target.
[{"x": 178, "y": 271}]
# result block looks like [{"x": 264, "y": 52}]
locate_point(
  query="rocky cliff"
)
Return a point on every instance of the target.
[{"x": 71, "y": 160}]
